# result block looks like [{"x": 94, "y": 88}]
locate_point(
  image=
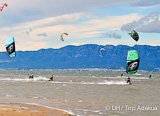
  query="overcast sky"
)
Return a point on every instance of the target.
[{"x": 37, "y": 24}]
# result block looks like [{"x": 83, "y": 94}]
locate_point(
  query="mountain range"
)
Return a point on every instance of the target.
[{"x": 83, "y": 56}]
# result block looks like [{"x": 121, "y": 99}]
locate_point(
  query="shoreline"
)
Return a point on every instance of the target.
[{"x": 30, "y": 109}]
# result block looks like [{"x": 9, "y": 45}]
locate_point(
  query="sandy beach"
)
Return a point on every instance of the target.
[{"x": 19, "y": 109}]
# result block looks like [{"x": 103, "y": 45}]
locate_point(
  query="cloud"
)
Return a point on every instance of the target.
[
  {"x": 30, "y": 20},
  {"x": 147, "y": 24},
  {"x": 52, "y": 27},
  {"x": 146, "y": 3},
  {"x": 20, "y": 11},
  {"x": 49, "y": 21},
  {"x": 27, "y": 32},
  {"x": 42, "y": 34},
  {"x": 113, "y": 22},
  {"x": 112, "y": 35}
]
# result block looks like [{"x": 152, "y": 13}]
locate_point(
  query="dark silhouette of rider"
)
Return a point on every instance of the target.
[
  {"x": 51, "y": 78},
  {"x": 129, "y": 80},
  {"x": 31, "y": 76}
]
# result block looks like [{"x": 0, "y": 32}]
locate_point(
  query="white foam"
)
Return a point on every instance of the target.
[
  {"x": 138, "y": 74},
  {"x": 36, "y": 79},
  {"x": 113, "y": 82},
  {"x": 141, "y": 78},
  {"x": 10, "y": 96},
  {"x": 94, "y": 83},
  {"x": 25, "y": 79},
  {"x": 117, "y": 77},
  {"x": 89, "y": 110}
]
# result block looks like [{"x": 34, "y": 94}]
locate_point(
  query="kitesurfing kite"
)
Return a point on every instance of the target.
[
  {"x": 63, "y": 36},
  {"x": 2, "y": 6},
  {"x": 132, "y": 62},
  {"x": 134, "y": 35},
  {"x": 101, "y": 50},
  {"x": 10, "y": 47}
]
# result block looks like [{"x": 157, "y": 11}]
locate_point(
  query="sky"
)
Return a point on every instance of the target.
[{"x": 37, "y": 24}]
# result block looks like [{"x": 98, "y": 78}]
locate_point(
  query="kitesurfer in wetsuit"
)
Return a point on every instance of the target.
[
  {"x": 121, "y": 74},
  {"x": 31, "y": 76},
  {"x": 150, "y": 76},
  {"x": 51, "y": 78},
  {"x": 129, "y": 80}
]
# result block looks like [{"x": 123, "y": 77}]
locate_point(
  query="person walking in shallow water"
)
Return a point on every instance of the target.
[{"x": 129, "y": 80}]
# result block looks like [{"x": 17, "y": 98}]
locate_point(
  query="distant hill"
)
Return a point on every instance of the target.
[{"x": 84, "y": 56}]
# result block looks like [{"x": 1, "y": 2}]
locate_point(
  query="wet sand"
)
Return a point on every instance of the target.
[{"x": 19, "y": 109}]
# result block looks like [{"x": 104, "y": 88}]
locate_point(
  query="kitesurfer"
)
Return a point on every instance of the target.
[
  {"x": 51, "y": 78},
  {"x": 129, "y": 80},
  {"x": 150, "y": 76},
  {"x": 31, "y": 76},
  {"x": 121, "y": 74}
]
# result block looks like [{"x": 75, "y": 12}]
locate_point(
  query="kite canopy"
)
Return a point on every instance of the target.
[
  {"x": 63, "y": 36},
  {"x": 2, "y": 6},
  {"x": 134, "y": 35},
  {"x": 10, "y": 47},
  {"x": 101, "y": 50},
  {"x": 132, "y": 62}
]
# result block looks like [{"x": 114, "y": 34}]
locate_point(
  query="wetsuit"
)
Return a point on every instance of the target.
[
  {"x": 31, "y": 77},
  {"x": 51, "y": 78},
  {"x": 129, "y": 80}
]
